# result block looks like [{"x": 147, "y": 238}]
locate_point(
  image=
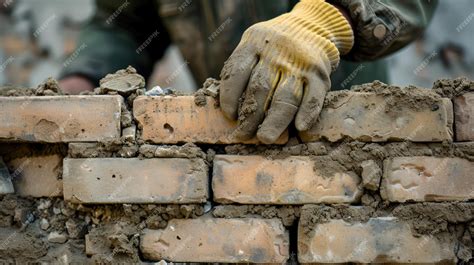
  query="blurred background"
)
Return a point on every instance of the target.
[{"x": 37, "y": 37}]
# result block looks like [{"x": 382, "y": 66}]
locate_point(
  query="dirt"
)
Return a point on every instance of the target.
[
  {"x": 451, "y": 88},
  {"x": 200, "y": 99},
  {"x": 287, "y": 214},
  {"x": 311, "y": 215},
  {"x": 12, "y": 91},
  {"x": 126, "y": 119},
  {"x": 49, "y": 88},
  {"x": 210, "y": 88},
  {"x": 112, "y": 148},
  {"x": 325, "y": 166},
  {"x": 188, "y": 150},
  {"x": 293, "y": 147},
  {"x": 411, "y": 97},
  {"x": 124, "y": 82},
  {"x": 434, "y": 218},
  {"x": 113, "y": 229}
]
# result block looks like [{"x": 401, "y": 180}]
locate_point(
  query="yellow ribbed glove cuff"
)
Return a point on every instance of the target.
[{"x": 320, "y": 24}]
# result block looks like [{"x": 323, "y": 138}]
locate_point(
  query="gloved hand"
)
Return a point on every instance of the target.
[{"x": 281, "y": 69}]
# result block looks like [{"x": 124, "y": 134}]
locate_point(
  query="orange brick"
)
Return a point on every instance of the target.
[
  {"x": 428, "y": 179},
  {"x": 464, "y": 113},
  {"x": 218, "y": 240},
  {"x": 367, "y": 117},
  {"x": 37, "y": 176},
  {"x": 60, "y": 118},
  {"x": 380, "y": 240},
  {"x": 172, "y": 120},
  {"x": 293, "y": 180},
  {"x": 131, "y": 180}
]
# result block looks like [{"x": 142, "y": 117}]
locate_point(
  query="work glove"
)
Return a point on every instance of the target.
[{"x": 281, "y": 68}]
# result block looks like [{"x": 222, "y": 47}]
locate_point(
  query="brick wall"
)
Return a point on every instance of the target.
[{"x": 385, "y": 176}]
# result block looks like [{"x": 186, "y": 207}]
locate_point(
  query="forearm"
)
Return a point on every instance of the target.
[{"x": 382, "y": 27}]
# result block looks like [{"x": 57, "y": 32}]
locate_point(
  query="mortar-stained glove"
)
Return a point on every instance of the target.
[{"x": 281, "y": 68}]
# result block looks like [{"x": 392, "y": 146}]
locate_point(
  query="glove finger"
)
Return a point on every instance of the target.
[
  {"x": 234, "y": 78},
  {"x": 315, "y": 90},
  {"x": 258, "y": 93},
  {"x": 284, "y": 106}
]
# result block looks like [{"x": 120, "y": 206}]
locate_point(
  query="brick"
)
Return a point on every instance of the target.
[
  {"x": 132, "y": 180},
  {"x": 380, "y": 240},
  {"x": 292, "y": 180},
  {"x": 367, "y": 117},
  {"x": 464, "y": 117},
  {"x": 61, "y": 119},
  {"x": 171, "y": 120},
  {"x": 428, "y": 179},
  {"x": 37, "y": 176},
  {"x": 217, "y": 240}
]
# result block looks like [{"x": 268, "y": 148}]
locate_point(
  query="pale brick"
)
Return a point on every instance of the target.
[
  {"x": 132, "y": 180},
  {"x": 367, "y": 117},
  {"x": 60, "y": 118},
  {"x": 172, "y": 120},
  {"x": 380, "y": 240},
  {"x": 218, "y": 240},
  {"x": 292, "y": 180},
  {"x": 464, "y": 117},
  {"x": 37, "y": 176},
  {"x": 428, "y": 179}
]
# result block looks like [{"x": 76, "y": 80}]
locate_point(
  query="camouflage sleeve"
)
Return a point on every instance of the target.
[
  {"x": 385, "y": 26},
  {"x": 121, "y": 33}
]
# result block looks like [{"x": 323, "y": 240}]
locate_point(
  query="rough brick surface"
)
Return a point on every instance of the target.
[
  {"x": 293, "y": 180},
  {"x": 380, "y": 240},
  {"x": 131, "y": 180},
  {"x": 178, "y": 119},
  {"x": 60, "y": 118},
  {"x": 218, "y": 240},
  {"x": 428, "y": 179},
  {"x": 464, "y": 117},
  {"x": 366, "y": 117},
  {"x": 37, "y": 176}
]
